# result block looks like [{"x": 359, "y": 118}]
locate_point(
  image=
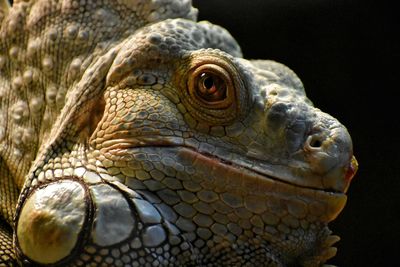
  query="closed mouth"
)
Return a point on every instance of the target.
[
  {"x": 240, "y": 163},
  {"x": 231, "y": 175}
]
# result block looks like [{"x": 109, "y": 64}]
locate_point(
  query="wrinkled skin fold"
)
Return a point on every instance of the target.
[{"x": 133, "y": 135}]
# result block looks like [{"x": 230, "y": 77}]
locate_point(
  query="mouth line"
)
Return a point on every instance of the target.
[
  {"x": 273, "y": 178},
  {"x": 231, "y": 164}
]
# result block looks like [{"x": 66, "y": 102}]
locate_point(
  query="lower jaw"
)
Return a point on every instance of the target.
[{"x": 320, "y": 205}]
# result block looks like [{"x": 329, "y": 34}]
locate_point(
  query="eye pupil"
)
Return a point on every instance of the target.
[
  {"x": 211, "y": 87},
  {"x": 208, "y": 82}
]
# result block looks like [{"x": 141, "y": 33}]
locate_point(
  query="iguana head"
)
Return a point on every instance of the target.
[{"x": 172, "y": 148}]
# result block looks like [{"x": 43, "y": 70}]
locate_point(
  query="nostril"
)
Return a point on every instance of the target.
[{"x": 314, "y": 142}]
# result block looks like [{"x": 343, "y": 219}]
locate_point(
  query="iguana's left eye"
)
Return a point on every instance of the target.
[
  {"x": 213, "y": 90},
  {"x": 212, "y": 86}
]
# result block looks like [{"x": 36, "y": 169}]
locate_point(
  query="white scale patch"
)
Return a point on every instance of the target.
[
  {"x": 146, "y": 211},
  {"x": 114, "y": 221}
]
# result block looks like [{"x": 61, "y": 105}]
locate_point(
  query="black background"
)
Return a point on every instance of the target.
[{"x": 347, "y": 56}]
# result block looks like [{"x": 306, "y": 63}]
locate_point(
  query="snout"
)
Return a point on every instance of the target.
[
  {"x": 317, "y": 146},
  {"x": 328, "y": 150}
]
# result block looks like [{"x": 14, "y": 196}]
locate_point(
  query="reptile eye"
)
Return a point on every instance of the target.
[
  {"x": 210, "y": 87},
  {"x": 213, "y": 92}
]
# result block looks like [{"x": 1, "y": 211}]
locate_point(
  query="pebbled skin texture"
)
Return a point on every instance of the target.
[{"x": 132, "y": 135}]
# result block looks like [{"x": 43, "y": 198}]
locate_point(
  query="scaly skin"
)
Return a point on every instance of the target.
[{"x": 131, "y": 135}]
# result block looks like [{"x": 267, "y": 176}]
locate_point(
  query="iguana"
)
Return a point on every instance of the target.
[{"x": 132, "y": 135}]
